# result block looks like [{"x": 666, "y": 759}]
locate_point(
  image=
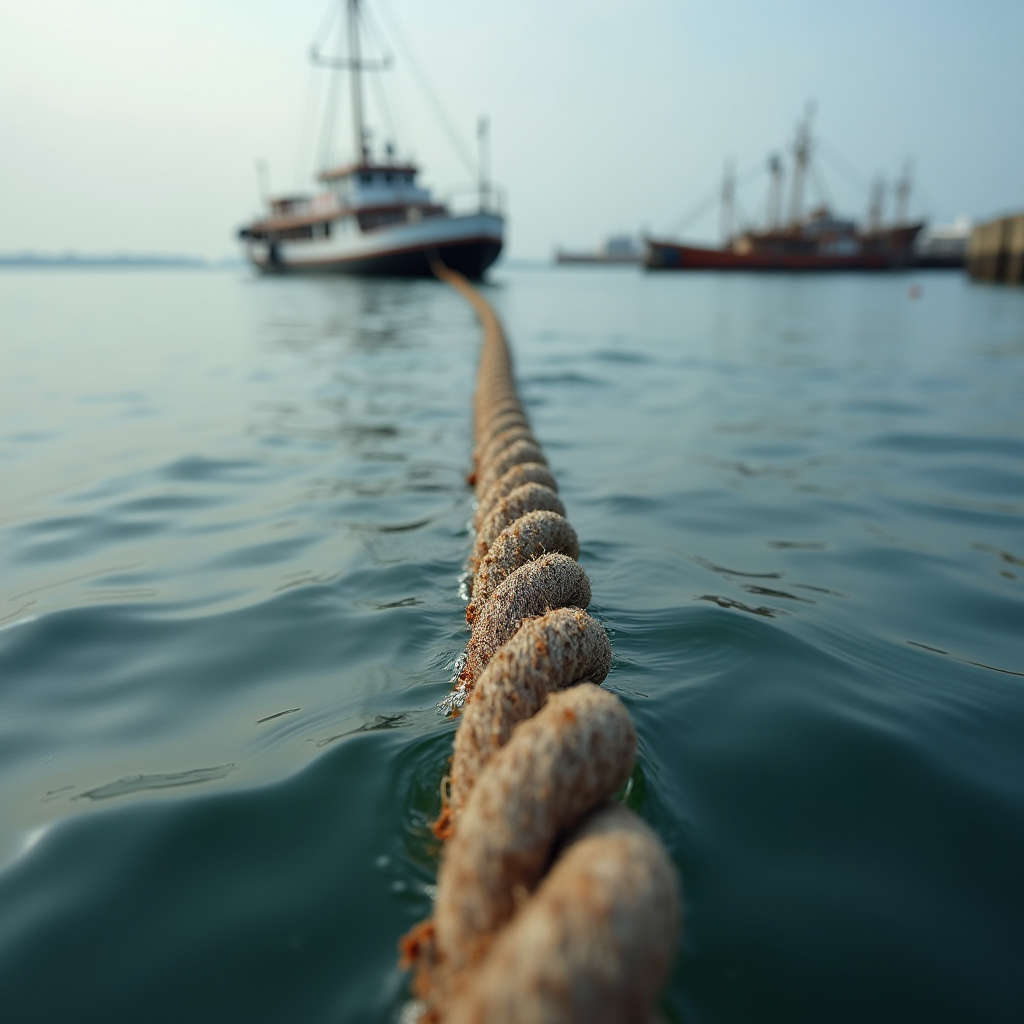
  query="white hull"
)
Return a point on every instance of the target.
[{"x": 473, "y": 240}]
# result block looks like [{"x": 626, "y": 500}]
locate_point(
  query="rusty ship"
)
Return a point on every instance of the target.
[{"x": 818, "y": 240}]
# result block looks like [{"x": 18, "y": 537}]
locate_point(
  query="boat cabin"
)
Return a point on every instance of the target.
[
  {"x": 356, "y": 186},
  {"x": 375, "y": 195}
]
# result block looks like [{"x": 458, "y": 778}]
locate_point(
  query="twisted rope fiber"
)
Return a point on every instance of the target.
[{"x": 553, "y": 904}]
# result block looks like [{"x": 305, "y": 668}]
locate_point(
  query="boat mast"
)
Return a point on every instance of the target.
[
  {"x": 482, "y": 128},
  {"x": 801, "y": 159},
  {"x": 902, "y": 196},
  {"x": 355, "y": 67},
  {"x": 775, "y": 192},
  {"x": 354, "y": 63},
  {"x": 876, "y": 204},
  {"x": 728, "y": 197}
]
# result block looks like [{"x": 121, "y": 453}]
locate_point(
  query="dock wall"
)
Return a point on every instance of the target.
[{"x": 995, "y": 250}]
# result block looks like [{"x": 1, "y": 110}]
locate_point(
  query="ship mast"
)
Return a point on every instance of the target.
[
  {"x": 801, "y": 160},
  {"x": 728, "y": 199},
  {"x": 482, "y": 135},
  {"x": 876, "y": 204},
  {"x": 355, "y": 67},
  {"x": 902, "y": 196},
  {"x": 775, "y": 192}
]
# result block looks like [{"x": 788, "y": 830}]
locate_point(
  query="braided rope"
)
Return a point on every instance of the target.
[{"x": 553, "y": 904}]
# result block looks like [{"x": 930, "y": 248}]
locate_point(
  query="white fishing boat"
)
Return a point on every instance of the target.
[{"x": 372, "y": 216}]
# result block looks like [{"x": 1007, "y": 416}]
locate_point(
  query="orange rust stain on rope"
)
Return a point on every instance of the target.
[
  {"x": 444, "y": 826},
  {"x": 412, "y": 944}
]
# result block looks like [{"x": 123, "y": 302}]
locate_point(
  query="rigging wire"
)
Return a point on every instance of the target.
[
  {"x": 312, "y": 100},
  {"x": 707, "y": 204},
  {"x": 841, "y": 164},
  {"x": 819, "y": 183},
  {"x": 308, "y": 118},
  {"x": 380, "y": 95},
  {"x": 815, "y": 178},
  {"x": 927, "y": 204},
  {"x": 333, "y": 9},
  {"x": 331, "y": 110},
  {"x": 398, "y": 35},
  {"x": 742, "y": 222},
  {"x": 752, "y": 174},
  {"x": 403, "y": 125},
  {"x": 849, "y": 170},
  {"x": 377, "y": 85},
  {"x": 325, "y": 155}
]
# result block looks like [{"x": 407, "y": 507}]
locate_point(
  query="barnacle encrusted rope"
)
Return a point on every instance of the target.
[{"x": 553, "y": 904}]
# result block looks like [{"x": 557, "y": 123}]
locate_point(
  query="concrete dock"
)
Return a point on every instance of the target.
[{"x": 995, "y": 250}]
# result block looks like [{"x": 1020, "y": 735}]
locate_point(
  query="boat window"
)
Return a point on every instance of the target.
[
  {"x": 370, "y": 220},
  {"x": 292, "y": 234},
  {"x": 366, "y": 177},
  {"x": 387, "y": 177}
]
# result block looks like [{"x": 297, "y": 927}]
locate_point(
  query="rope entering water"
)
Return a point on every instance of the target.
[{"x": 553, "y": 904}]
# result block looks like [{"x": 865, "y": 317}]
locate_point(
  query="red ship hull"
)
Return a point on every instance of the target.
[{"x": 672, "y": 256}]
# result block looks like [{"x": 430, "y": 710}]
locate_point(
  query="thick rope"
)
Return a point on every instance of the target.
[{"x": 553, "y": 904}]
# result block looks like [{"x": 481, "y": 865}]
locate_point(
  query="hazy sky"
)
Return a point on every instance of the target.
[{"x": 136, "y": 124}]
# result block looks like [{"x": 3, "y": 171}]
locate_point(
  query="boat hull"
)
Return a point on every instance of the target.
[
  {"x": 672, "y": 256},
  {"x": 469, "y": 244}
]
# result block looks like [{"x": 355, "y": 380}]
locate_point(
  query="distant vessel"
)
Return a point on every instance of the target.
[
  {"x": 818, "y": 241},
  {"x": 372, "y": 217},
  {"x": 616, "y": 249},
  {"x": 943, "y": 246}
]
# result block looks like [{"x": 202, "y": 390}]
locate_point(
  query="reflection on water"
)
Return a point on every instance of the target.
[{"x": 234, "y": 523}]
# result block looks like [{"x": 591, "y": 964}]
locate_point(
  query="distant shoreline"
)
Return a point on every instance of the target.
[{"x": 156, "y": 261}]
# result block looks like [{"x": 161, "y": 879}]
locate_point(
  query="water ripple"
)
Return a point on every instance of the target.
[{"x": 229, "y": 605}]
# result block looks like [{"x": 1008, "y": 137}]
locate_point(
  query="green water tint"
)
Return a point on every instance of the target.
[{"x": 234, "y": 523}]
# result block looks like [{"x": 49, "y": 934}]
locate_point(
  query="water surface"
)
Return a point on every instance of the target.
[{"x": 233, "y": 519}]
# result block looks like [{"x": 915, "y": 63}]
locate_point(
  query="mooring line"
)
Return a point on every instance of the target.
[{"x": 553, "y": 903}]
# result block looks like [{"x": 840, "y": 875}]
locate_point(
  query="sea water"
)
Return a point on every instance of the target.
[{"x": 233, "y": 519}]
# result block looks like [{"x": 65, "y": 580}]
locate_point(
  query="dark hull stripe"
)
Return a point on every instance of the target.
[
  {"x": 661, "y": 256},
  {"x": 470, "y": 257}
]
